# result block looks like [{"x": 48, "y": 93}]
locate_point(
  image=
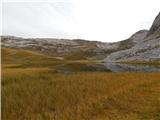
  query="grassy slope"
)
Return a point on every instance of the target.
[
  {"x": 36, "y": 92},
  {"x": 17, "y": 55},
  {"x": 25, "y": 58}
]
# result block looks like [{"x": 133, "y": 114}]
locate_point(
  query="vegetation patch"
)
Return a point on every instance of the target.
[{"x": 41, "y": 94}]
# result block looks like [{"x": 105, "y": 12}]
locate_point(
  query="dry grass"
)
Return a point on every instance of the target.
[
  {"x": 81, "y": 96},
  {"x": 20, "y": 56},
  {"x": 22, "y": 72},
  {"x": 9, "y": 65}
]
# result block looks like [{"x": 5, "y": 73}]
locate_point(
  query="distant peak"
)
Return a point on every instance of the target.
[{"x": 155, "y": 28}]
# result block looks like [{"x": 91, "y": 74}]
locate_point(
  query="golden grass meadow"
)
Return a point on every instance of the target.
[{"x": 32, "y": 89}]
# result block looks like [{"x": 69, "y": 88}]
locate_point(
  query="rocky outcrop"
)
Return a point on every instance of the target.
[
  {"x": 155, "y": 28},
  {"x": 146, "y": 47}
]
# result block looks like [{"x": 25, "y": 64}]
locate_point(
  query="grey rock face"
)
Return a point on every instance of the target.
[
  {"x": 146, "y": 47},
  {"x": 139, "y": 36},
  {"x": 155, "y": 28}
]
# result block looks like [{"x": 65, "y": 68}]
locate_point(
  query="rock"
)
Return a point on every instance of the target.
[{"x": 146, "y": 47}]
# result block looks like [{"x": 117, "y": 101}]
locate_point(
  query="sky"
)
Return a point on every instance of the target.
[{"x": 101, "y": 20}]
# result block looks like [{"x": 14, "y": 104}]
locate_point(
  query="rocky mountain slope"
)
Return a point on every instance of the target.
[
  {"x": 69, "y": 49},
  {"x": 144, "y": 45}
]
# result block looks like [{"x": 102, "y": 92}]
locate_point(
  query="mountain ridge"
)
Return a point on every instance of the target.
[
  {"x": 144, "y": 45},
  {"x": 146, "y": 49}
]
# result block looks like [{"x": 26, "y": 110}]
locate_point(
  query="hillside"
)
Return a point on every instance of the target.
[
  {"x": 144, "y": 45},
  {"x": 58, "y": 47},
  {"x": 146, "y": 48}
]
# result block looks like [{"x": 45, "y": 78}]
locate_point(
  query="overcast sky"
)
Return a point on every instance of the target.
[{"x": 102, "y": 20}]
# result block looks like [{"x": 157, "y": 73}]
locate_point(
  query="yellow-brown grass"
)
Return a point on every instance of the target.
[
  {"x": 20, "y": 56},
  {"x": 80, "y": 96},
  {"x": 22, "y": 72},
  {"x": 9, "y": 65}
]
